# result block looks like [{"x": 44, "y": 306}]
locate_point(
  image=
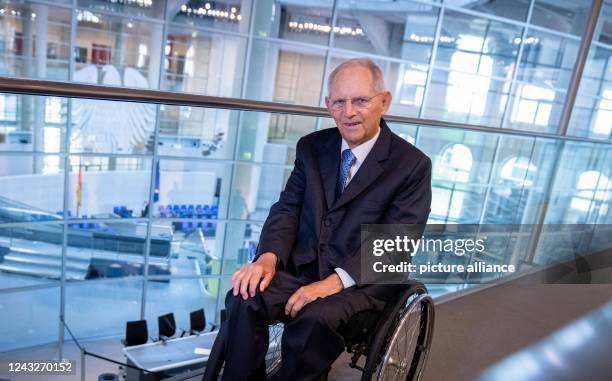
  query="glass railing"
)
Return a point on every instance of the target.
[{"x": 168, "y": 193}]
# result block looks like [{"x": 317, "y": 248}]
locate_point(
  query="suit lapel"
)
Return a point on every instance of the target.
[
  {"x": 369, "y": 170},
  {"x": 329, "y": 162}
]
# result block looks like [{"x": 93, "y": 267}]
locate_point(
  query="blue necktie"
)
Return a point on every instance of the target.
[{"x": 347, "y": 161}]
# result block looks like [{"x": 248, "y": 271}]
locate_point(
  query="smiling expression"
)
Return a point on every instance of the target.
[{"x": 357, "y": 125}]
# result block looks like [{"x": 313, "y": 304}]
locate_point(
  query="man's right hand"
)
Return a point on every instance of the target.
[{"x": 244, "y": 281}]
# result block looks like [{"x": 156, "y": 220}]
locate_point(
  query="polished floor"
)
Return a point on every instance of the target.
[
  {"x": 521, "y": 330},
  {"x": 534, "y": 328}
]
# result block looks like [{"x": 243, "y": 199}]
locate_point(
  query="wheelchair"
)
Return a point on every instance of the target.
[{"x": 394, "y": 342}]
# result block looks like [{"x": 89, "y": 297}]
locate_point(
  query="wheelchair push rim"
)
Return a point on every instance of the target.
[{"x": 407, "y": 350}]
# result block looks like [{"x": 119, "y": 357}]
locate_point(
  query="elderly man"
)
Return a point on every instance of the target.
[{"x": 307, "y": 272}]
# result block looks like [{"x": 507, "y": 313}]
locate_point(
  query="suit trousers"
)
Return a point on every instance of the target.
[{"x": 311, "y": 341}]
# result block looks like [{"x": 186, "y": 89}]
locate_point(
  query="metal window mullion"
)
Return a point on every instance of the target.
[
  {"x": 489, "y": 179},
  {"x": 65, "y": 206},
  {"x": 583, "y": 54},
  {"x": 432, "y": 61},
  {"x": 541, "y": 215},
  {"x": 249, "y": 48},
  {"x": 326, "y": 63},
  {"x": 154, "y": 161},
  {"x": 519, "y": 57},
  {"x": 508, "y": 21},
  {"x": 239, "y": 121},
  {"x": 597, "y": 98}
]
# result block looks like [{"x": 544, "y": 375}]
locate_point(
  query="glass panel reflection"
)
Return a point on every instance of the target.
[
  {"x": 309, "y": 23},
  {"x": 35, "y": 40},
  {"x": 83, "y": 312},
  {"x": 582, "y": 190},
  {"x": 143, "y": 8},
  {"x": 241, "y": 245},
  {"x": 298, "y": 76},
  {"x": 33, "y": 318},
  {"x": 32, "y": 254},
  {"x": 94, "y": 181},
  {"x": 467, "y": 98},
  {"x": 191, "y": 189},
  {"x": 387, "y": 28},
  {"x": 32, "y": 187},
  {"x": 33, "y": 124},
  {"x": 271, "y": 138},
  {"x": 228, "y": 16},
  {"x": 115, "y": 51},
  {"x": 592, "y": 113},
  {"x": 567, "y": 17},
  {"x": 197, "y": 132},
  {"x": 180, "y": 297},
  {"x": 198, "y": 61},
  {"x": 255, "y": 189}
]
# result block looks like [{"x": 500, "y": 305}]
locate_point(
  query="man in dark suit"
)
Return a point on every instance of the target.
[{"x": 307, "y": 272}]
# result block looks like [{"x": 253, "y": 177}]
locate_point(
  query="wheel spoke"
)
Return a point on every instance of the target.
[{"x": 397, "y": 363}]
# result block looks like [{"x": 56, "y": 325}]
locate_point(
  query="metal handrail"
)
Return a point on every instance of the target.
[{"x": 81, "y": 90}]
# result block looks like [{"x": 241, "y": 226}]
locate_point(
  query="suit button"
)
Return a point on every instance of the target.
[{"x": 327, "y": 222}]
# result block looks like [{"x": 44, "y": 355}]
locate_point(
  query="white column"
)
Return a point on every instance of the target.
[
  {"x": 38, "y": 119},
  {"x": 156, "y": 50}
]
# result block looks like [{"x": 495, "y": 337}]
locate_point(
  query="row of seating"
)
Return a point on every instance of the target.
[
  {"x": 80, "y": 225},
  {"x": 189, "y": 211},
  {"x": 123, "y": 211},
  {"x": 137, "y": 333},
  {"x": 166, "y": 211}
]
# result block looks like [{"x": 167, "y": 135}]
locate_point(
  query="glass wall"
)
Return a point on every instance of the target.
[
  {"x": 152, "y": 207},
  {"x": 169, "y": 214},
  {"x": 501, "y": 64},
  {"x": 592, "y": 116}
]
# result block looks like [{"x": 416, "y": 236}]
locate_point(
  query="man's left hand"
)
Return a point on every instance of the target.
[{"x": 309, "y": 293}]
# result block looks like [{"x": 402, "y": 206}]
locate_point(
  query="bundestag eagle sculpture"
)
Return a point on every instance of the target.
[{"x": 111, "y": 126}]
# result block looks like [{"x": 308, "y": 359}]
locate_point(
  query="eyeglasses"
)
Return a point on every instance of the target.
[{"x": 357, "y": 102}]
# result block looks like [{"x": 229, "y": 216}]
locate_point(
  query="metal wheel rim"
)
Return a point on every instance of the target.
[
  {"x": 273, "y": 357},
  {"x": 395, "y": 365}
]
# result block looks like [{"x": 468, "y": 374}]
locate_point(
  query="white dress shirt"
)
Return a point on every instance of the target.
[{"x": 360, "y": 152}]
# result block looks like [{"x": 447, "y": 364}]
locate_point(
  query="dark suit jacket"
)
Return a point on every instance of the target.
[{"x": 308, "y": 225}]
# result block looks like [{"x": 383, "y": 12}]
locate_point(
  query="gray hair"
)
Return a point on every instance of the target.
[{"x": 377, "y": 75}]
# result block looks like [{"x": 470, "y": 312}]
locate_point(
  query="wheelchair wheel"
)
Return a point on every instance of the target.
[
  {"x": 273, "y": 357},
  {"x": 402, "y": 352}
]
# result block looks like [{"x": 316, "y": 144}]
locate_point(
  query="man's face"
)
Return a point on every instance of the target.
[{"x": 356, "y": 122}]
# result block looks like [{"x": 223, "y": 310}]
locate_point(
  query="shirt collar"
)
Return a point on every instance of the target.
[{"x": 362, "y": 150}]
